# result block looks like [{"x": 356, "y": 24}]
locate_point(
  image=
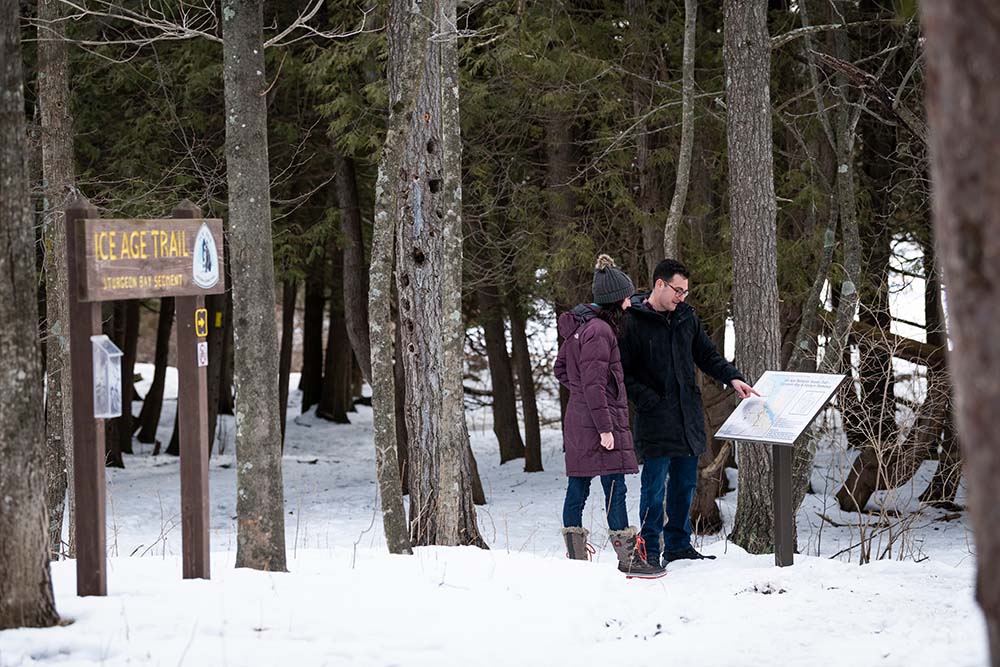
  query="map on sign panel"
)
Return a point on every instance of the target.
[{"x": 787, "y": 404}]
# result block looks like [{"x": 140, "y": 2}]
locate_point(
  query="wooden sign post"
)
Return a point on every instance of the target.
[{"x": 110, "y": 260}]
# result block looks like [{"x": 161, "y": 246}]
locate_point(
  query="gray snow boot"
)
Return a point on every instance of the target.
[
  {"x": 631, "y": 550},
  {"x": 576, "y": 543}
]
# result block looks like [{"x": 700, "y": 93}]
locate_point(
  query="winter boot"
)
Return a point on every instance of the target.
[
  {"x": 576, "y": 543},
  {"x": 631, "y": 550}
]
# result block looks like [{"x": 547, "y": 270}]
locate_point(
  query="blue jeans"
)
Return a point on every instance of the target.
[
  {"x": 682, "y": 472},
  {"x": 614, "y": 501}
]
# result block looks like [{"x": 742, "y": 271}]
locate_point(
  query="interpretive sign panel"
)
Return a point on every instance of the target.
[
  {"x": 787, "y": 404},
  {"x": 140, "y": 259}
]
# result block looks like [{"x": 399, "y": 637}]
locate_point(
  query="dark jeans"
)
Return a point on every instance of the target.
[
  {"x": 614, "y": 501},
  {"x": 682, "y": 472}
]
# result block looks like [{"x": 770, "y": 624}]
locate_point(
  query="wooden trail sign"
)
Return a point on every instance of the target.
[
  {"x": 140, "y": 259},
  {"x": 110, "y": 260}
]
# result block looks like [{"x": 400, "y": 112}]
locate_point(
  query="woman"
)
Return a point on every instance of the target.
[{"x": 596, "y": 432}]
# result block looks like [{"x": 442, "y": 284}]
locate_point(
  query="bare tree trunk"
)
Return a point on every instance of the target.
[
  {"x": 753, "y": 213},
  {"x": 424, "y": 198},
  {"x": 311, "y": 380},
  {"x": 130, "y": 345},
  {"x": 288, "y": 293},
  {"x": 355, "y": 275},
  {"x": 228, "y": 358},
  {"x": 648, "y": 198},
  {"x": 335, "y": 400},
  {"x": 259, "y": 498},
  {"x": 561, "y": 206},
  {"x": 505, "y": 425},
  {"x": 687, "y": 132},
  {"x": 526, "y": 382},
  {"x": 152, "y": 404},
  {"x": 402, "y": 439},
  {"x": 58, "y": 174},
  {"x": 24, "y": 550},
  {"x": 944, "y": 484},
  {"x": 842, "y": 135},
  {"x": 963, "y": 107},
  {"x": 217, "y": 333}
]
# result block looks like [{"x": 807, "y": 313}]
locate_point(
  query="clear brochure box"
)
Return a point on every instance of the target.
[{"x": 107, "y": 378}]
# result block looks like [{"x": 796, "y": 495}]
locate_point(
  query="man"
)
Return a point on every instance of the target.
[{"x": 663, "y": 342}]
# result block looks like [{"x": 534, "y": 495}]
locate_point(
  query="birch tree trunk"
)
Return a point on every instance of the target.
[
  {"x": 687, "y": 132},
  {"x": 425, "y": 199},
  {"x": 260, "y": 494},
  {"x": 963, "y": 107},
  {"x": 753, "y": 213},
  {"x": 26, "y": 597},
  {"x": 58, "y": 175}
]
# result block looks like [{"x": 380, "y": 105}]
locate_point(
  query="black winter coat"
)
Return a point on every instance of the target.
[{"x": 659, "y": 352}]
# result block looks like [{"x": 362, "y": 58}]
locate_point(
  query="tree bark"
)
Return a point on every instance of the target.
[
  {"x": 218, "y": 328},
  {"x": 58, "y": 175},
  {"x": 130, "y": 344},
  {"x": 424, "y": 198},
  {"x": 152, "y": 404},
  {"x": 963, "y": 107},
  {"x": 526, "y": 383},
  {"x": 259, "y": 498},
  {"x": 228, "y": 356},
  {"x": 649, "y": 197},
  {"x": 752, "y": 208},
  {"x": 505, "y": 426},
  {"x": 335, "y": 400},
  {"x": 288, "y": 293},
  {"x": 27, "y": 599},
  {"x": 687, "y": 133},
  {"x": 311, "y": 381},
  {"x": 387, "y": 413},
  {"x": 355, "y": 274}
]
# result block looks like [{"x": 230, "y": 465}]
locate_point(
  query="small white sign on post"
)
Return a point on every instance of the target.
[
  {"x": 107, "y": 378},
  {"x": 202, "y": 353}
]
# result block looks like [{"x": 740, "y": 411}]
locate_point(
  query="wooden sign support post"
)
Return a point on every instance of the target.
[
  {"x": 89, "y": 487},
  {"x": 784, "y": 513},
  {"x": 192, "y": 405},
  {"x": 111, "y": 260}
]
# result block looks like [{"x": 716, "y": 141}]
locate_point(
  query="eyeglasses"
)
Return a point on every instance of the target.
[{"x": 679, "y": 291}]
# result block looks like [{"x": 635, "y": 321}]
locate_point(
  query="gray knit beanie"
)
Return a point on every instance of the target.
[{"x": 611, "y": 285}]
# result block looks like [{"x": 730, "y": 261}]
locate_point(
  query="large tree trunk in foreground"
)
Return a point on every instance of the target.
[
  {"x": 259, "y": 499},
  {"x": 963, "y": 107},
  {"x": 26, "y": 598},
  {"x": 753, "y": 213},
  {"x": 422, "y": 171},
  {"x": 58, "y": 174}
]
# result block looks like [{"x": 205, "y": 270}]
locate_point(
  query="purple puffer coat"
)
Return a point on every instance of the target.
[{"x": 589, "y": 365}]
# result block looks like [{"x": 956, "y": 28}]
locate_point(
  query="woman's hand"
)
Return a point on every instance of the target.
[{"x": 607, "y": 441}]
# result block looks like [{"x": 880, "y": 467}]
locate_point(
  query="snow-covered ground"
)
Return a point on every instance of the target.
[{"x": 345, "y": 601}]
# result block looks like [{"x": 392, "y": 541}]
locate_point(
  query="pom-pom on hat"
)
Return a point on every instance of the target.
[{"x": 611, "y": 285}]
